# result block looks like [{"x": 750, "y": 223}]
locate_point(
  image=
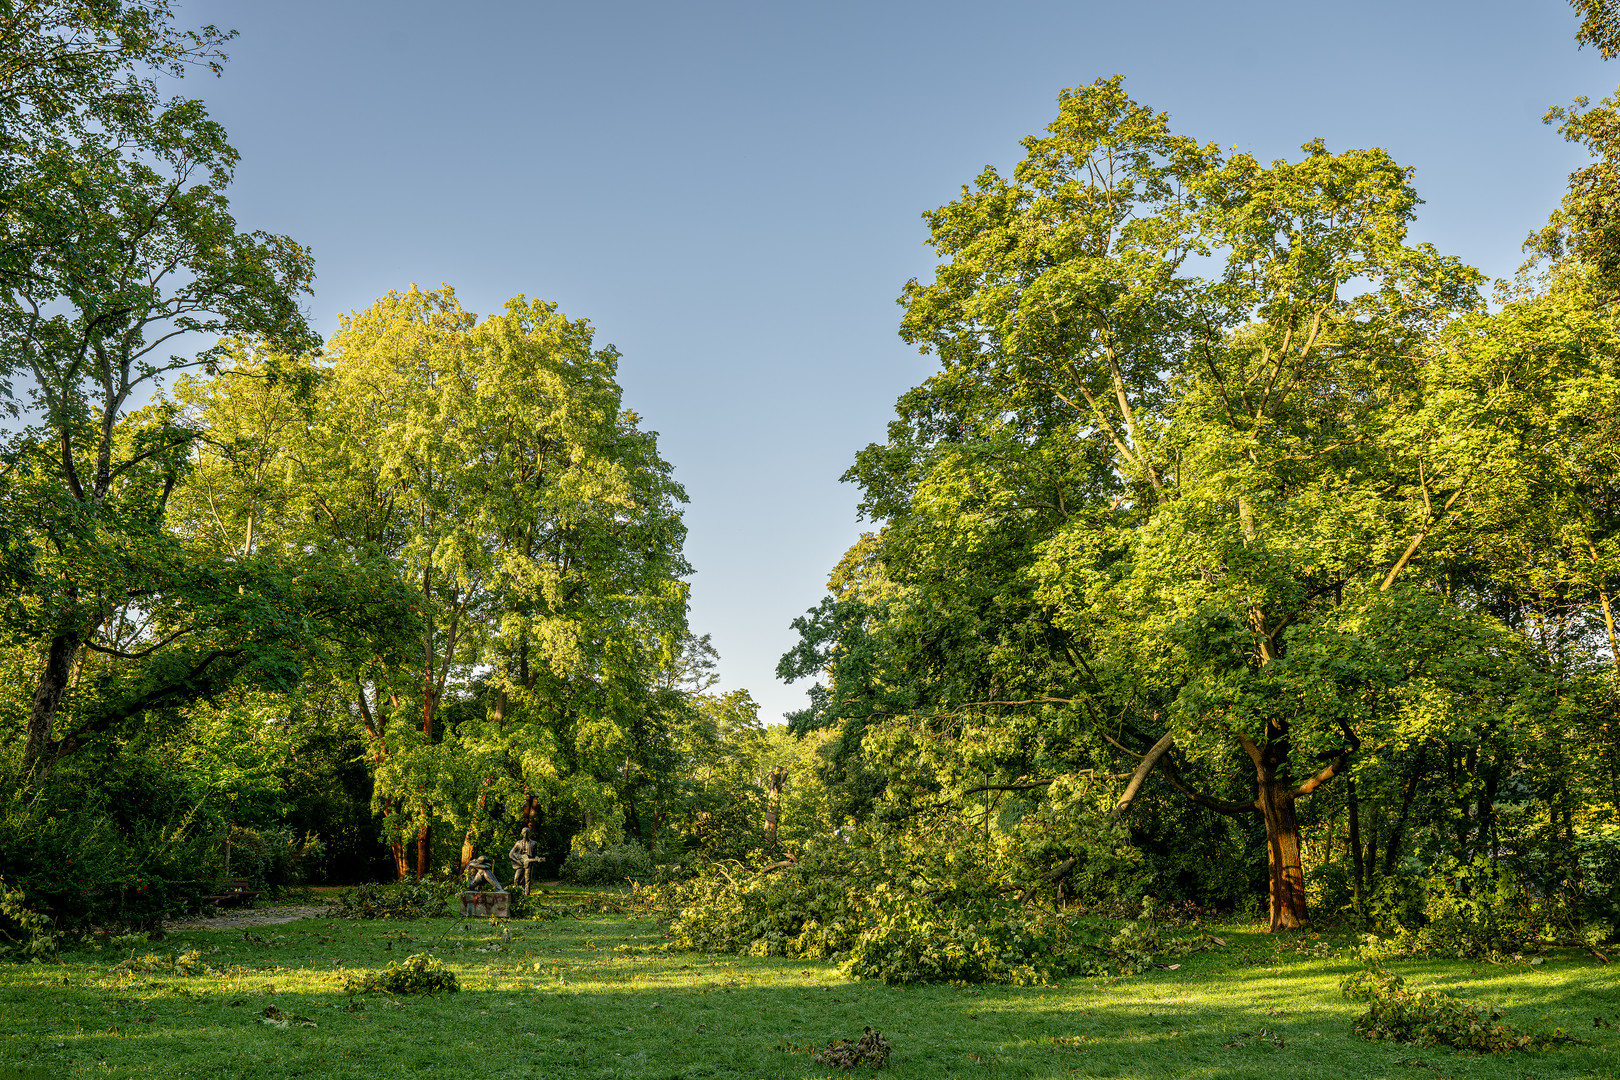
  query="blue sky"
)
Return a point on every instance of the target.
[{"x": 731, "y": 192}]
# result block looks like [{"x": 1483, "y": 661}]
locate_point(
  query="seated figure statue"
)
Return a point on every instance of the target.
[
  {"x": 524, "y": 858},
  {"x": 479, "y": 872}
]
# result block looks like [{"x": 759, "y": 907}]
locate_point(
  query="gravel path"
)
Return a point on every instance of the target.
[{"x": 237, "y": 920}]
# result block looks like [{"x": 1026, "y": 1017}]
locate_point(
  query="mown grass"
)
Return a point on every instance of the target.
[{"x": 592, "y": 996}]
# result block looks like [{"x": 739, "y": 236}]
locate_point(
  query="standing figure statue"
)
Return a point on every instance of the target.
[
  {"x": 524, "y": 859},
  {"x": 480, "y": 871}
]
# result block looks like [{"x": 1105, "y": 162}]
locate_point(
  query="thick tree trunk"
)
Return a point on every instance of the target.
[
  {"x": 422, "y": 852},
  {"x": 53, "y": 683},
  {"x": 1282, "y": 856}
]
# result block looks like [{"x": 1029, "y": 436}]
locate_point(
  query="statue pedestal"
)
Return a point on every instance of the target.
[{"x": 491, "y": 904}]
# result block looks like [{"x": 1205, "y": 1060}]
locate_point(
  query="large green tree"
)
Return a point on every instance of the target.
[
  {"x": 1209, "y": 440},
  {"x": 492, "y": 465},
  {"x": 122, "y": 264}
]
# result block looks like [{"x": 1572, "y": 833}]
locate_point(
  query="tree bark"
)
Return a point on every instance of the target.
[
  {"x": 773, "y": 803},
  {"x": 53, "y": 683},
  {"x": 422, "y": 852},
  {"x": 1356, "y": 862},
  {"x": 1282, "y": 855},
  {"x": 396, "y": 846}
]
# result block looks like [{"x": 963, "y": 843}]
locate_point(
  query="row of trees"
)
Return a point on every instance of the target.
[{"x": 1231, "y": 500}]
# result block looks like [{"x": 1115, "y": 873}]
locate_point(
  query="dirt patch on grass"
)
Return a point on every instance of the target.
[{"x": 237, "y": 920}]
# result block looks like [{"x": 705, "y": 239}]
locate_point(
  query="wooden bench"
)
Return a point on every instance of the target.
[{"x": 233, "y": 892}]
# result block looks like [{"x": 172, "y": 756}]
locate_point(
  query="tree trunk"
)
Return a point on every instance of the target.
[
  {"x": 53, "y": 683},
  {"x": 1356, "y": 863},
  {"x": 1397, "y": 831},
  {"x": 773, "y": 804},
  {"x": 422, "y": 852},
  {"x": 468, "y": 841},
  {"x": 396, "y": 847},
  {"x": 1282, "y": 856}
]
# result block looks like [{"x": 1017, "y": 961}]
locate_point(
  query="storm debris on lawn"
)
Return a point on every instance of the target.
[{"x": 871, "y": 1051}]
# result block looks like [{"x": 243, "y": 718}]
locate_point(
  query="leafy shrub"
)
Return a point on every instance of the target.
[
  {"x": 1477, "y": 910},
  {"x": 1433, "y": 1018},
  {"x": 419, "y": 974},
  {"x": 614, "y": 865},
  {"x": 425, "y": 899},
  {"x": 870, "y": 1051},
  {"x": 911, "y": 939},
  {"x": 24, "y": 932},
  {"x": 124, "y": 849},
  {"x": 900, "y": 912}
]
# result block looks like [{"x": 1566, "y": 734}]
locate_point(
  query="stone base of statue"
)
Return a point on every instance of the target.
[{"x": 491, "y": 904}]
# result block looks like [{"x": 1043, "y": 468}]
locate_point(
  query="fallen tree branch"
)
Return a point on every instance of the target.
[
  {"x": 1138, "y": 778},
  {"x": 1061, "y": 871}
]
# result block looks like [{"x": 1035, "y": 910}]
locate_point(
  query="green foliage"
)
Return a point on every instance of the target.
[
  {"x": 899, "y": 910},
  {"x": 123, "y": 856},
  {"x": 913, "y": 939},
  {"x": 421, "y": 973},
  {"x": 409, "y": 899},
  {"x": 24, "y": 932},
  {"x": 1433, "y": 1018},
  {"x": 616, "y": 864},
  {"x": 1464, "y": 910}
]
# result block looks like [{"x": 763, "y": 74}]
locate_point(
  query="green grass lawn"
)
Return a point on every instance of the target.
[{"x": 593, "y": 997}]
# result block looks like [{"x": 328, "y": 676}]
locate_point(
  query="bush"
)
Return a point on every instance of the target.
[
  {"x": 24, "y": 932},
  {"x": 1477, "y": 910},
  {"x": 615, "y": 865},
  {"x": 425, "y": 899},
  {"x": 419, "y": 974},
  {"x": 1433, "y": 1018},
  {"x": 129, "y": 853},
  {"x": 900, "y": 911}
]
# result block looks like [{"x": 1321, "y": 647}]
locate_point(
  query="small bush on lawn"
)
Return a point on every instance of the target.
[
  {"x": 426, "y": 899},
  {"x": 1434, "y": 1018},
  {"x": 419, "y": 974},
  {"x": 615, "y": 865}
]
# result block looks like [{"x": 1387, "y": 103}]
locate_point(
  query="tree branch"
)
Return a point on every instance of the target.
[{"x": 1150, "y": 759}]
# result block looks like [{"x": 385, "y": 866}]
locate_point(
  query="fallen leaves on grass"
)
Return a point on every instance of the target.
[
  {"x": 274, "y": 1017},
  {"x": 1254, "y": 1038},
  {"x": 871, "y": 1051}
]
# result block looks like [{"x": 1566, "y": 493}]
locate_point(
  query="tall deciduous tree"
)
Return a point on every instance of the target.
[
  {"x": 119, "y": 251},
  {"x": 492, "y": 462},
  {"x": 1197, "y": 515}
]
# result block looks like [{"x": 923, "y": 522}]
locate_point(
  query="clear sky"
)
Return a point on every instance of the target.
[{"x": 731, "y": 192}]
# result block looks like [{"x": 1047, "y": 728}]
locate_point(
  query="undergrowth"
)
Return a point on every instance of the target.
[{"x": 1435, "y": 1018}]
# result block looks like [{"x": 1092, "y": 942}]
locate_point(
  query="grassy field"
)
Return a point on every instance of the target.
[{"x": 592, "y": 996}]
